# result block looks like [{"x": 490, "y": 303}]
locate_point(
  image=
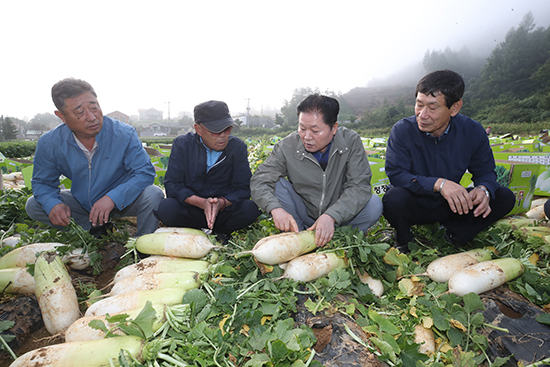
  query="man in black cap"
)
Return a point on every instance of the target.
[{"x": 208, "y": 177}]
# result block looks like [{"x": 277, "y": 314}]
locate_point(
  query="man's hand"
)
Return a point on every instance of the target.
[
  {"x": 284, "y": 221},
  {"x": 324, "y": 229},
  {"x": 480, "y": 199},
  {"x": 60, "y": 215},
  {"x": 101, "y": 209},
  {"x": 212, "y": 207},
  {"x": 457, "y": 196}
]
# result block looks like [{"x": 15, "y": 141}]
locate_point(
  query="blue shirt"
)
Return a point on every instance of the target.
[
  {"x": 211, "y": 156},
  {"x": 322, "y": 158},
  {"x": 416, "y": 160}
]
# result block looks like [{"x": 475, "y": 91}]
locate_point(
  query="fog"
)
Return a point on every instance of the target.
[{"x": 171, "y": 55}]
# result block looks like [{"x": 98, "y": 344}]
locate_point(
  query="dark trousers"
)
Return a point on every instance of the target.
[
  {"x": 173, "y": 214},
  {"x": 402, "y": 209}
]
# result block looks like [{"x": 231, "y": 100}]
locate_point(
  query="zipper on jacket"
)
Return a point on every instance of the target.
[{"x": 90, "y": 181}]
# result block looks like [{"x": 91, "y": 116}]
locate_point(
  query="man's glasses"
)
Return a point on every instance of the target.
[{"x": 224, "y": 132}]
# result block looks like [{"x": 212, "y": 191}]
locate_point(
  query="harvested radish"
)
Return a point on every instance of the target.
[
  {"x": 80, "y": 330},
  {"x": 313, "y": 266},
  {"x": 180, "y": 230},
  {"x": 21, "y": 256},
  {"x": 442, "y": 269},
  {"x": 135, "y": 299},
  {"x": 424, "y": 337},
  {"x": 485, "y": 276},
  {"x": 94, "y": 353},
  {"x": 184, "y": 280},
  {"x": 376, "y": 286},
  {"x": 16, "y": 280},
  {"x": 536, "y": 213},
  {"x": 282, "y": 247},
  {"x": 190, "y": 245},
  {"x": 161, "y": 266},
  {"x": 55, "y": 293},
  {"x": 77, "y": 260},
  {"x": 11, "y": 241}
]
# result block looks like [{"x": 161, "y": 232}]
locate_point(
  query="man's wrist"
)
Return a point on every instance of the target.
[{"x": 485, "y": 191}]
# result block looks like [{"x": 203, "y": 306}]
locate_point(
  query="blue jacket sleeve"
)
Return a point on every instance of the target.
[
  {"x": 240, "y": 182},
  {"x": 45, "y": 178}
]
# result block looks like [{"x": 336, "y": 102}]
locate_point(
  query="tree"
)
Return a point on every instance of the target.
[
  {"x": 9, "y": 130},
  {"x": 47, "y": 120}
]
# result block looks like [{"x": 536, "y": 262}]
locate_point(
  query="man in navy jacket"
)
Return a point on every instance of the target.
[
  {"x": 426, "y": 157},
  {"x": 208, "y": 177}
]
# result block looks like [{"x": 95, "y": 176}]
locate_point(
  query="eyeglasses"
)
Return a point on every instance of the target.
[{"x": 224, "y": 132}]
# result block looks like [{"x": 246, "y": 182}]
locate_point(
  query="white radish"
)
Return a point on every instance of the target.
[
  {"x": 180, "y": 230},
  {"x": 77, "y": 260},
  {"x": 538, "y": 202},
  {"x": 441, "y": 270},
  {"x": 80, "y": 330},
  {"x": 135, "y": 299},
  {"x": 484, "y": 276},
  {"x": 21, "y": 256},
  {"x": 184, "y": 280},
  {"x": 376, "y": 286},
  {"x": 536, "y": 213},
  {"x": 55, "y": 293},
  {"x": 543, "y": 176},
  {"x": 11, "y": 241},
  {"x": 310, "y": 267},
  {"x": 283, "y": 247},
  {"x": 425, "y": 337},
  {"x": 189, "y": 245},
  {"x": 161, "y": 266},
  {"x": 94, "y": 353},
  {"x": 16, "y": 280}
]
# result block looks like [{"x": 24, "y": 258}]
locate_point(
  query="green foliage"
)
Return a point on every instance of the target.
[
  {"x": 9, "y": 130},
  {"x": 18, "y": 149}
]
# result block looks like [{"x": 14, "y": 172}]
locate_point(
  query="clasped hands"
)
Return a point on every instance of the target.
[{"x": 462, "y": 201}]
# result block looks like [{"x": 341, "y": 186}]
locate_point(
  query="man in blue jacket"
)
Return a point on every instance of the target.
[
  {"x": 208, "y": 177},
  {"x": 110, "y": 172},
  {"x": 426, "y": 157}
]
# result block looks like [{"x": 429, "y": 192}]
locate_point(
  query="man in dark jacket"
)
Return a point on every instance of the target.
[{"x": 208, "y": 177}]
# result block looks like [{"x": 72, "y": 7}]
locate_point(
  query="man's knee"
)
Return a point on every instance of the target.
[{"x": 152, "y": 195}]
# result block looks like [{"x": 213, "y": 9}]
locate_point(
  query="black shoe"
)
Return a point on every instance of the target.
[
  {"x": 223, "y": 238},
  {"x": 404, "y": 249}
]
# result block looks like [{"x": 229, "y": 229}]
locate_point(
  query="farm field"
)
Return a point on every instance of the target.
[{"x": 244, "y": 313}]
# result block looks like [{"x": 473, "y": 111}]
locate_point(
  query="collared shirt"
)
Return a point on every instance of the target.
[
  {"x": 87, "y": 153},
  {"x": 442, "y": 135},
  {"x": 322, "y": 158},
  {"x": 212, "y": 156}
]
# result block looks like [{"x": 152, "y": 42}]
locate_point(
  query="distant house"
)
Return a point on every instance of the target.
[
  {"x": 119, "y": 116},
  {"x": 150, "y": 115}
]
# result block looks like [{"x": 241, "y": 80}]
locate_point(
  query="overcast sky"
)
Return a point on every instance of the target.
[{"x": 144, "y": 54}]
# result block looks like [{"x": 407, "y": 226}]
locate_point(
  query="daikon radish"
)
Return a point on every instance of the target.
[
  {"x": 536, "y": 213},
  {"x": 376, "y": 286},
  {"x": 55, "y": 293},
  {"x": 161, "y": 266},
  {"x": 11, "y": 241},
  {"x": 80, "y": 330},
  {"x": 309, "y": 267},
  {"x": 538, "y": 202},
  {"x": 77, "y": 260},
  {"x": 190, "y": 245},
  {"x": 180, "y": 230},
  {"x": 424, "y": 337},
  {"x": 16, "y": 280},
  {"x": 21, "y": 256},
  {"x": 135, "y": 299},
  {"x": 94, "y": 353},
  {"x": 282, "y": 247},
  {"x": 485, "y": 276},
  {"x": 184, "y": 280},
  {"x": 442, "y": 269}
]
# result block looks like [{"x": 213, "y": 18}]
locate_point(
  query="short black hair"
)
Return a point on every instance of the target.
[
  {"x": 69, "y": 88},
  {"x": 446, "y": 82},
  {"x": 327, "y": 106}
]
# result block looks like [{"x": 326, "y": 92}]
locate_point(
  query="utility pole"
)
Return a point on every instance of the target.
[
  {"x": 247, "y": 112},
  {"x": 169, "y": 127}
]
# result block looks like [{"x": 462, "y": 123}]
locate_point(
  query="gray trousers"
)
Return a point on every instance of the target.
[
  {"x": 294, "y": 205},
  {"x": 142, "y": 208}
]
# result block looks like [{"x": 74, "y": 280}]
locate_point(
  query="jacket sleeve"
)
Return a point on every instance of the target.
[
  {"x": 266, "y": 176},
  {"x": 142, "y": 174},
  {"x": 45, "y": 178},
  {"x": 357, "y": 189},
  {"x": 482, "y": 166},
  {"x": 240, "y": 182},
  {"x": 176, "y": 174},
  {"x": 399, "y": 163}
]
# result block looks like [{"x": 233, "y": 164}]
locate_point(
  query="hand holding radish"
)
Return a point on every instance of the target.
[
  {"x": 101, "y": 209},
  {"x": 60, "y": 215},
  {"x": 284, "y": 221},
  {"x": 324, "y": 229}
]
